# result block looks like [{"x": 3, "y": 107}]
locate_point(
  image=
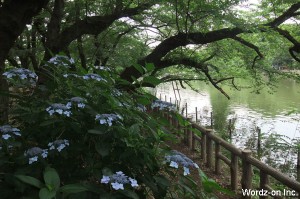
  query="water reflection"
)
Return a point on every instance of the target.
[{"x": 275, "y": 114}]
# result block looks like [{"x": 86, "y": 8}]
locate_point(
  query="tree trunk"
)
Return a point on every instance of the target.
[
  {"x": 14, "y": 15},
  {"x": 3, "y": 98}
]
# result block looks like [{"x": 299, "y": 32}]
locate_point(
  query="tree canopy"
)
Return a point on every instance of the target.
[{"x": 216, "y": 40}]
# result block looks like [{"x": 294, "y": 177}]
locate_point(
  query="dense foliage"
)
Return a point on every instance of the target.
[{"x": 81, "y": 137}]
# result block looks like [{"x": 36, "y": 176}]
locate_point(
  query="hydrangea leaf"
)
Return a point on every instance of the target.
[
  {"x": 51, "y": 178},
  {"x": 30, "y": 180},
  {"x": 96, "y": 131},
  {"x": 47, "y": 194},
  {"x": 129, "y": 194},
  {"x": 73, "y": 188}
]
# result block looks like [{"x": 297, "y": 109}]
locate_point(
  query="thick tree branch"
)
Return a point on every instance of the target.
[
  {"x": 286, "y": 15},
  {"x": 93, "y": 25},
  {"x": 183, "y": 39}
]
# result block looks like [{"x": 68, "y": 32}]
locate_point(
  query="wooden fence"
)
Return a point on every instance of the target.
[{"x": 210, "y": 153}]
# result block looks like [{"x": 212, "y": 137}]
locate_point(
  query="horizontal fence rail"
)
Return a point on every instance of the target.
[{"x": 210, "y": 153}]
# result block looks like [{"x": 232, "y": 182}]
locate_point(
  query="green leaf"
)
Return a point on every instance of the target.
[
  {"x": 152, "y": 80},
  {"x": 129, "y": 194},
  {"x": 149, "y": 67},
  {"x": 30, "y": 180},
  {"x": 51, "y": 178},
  {"x": 46, "y": 194},
  {"x": 96, "y": 131},
  {"x": 102, "y": 149},
  {"x": 49, "y": 122},
  {"x": 135, "y": 128},
  {"x": 73, "y": 188},
  {"x": 139, "y": 68}
]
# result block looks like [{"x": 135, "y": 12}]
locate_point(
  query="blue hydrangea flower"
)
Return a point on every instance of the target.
[
  {"x": 9, "y": 131},
  {"x": 105, "y": 179},
  {"x": 116, "y": 92},
  {"x": 70, "y": 75},
  {"x": 102, "y": 68},
  {"x": 163, "y": 105},
  {"x": 141, "y": 108},
  {"x": 22, "y": 74},
  {"x": 61, "y": 60},
  {"x": 94, "y": 77},
  {"x": 78, "y": 100},
  {"x": 58, "y": 145},
  {"x": 34, "y": 153},
  {"x": 118, "y": 180},
  {"x": 176, "y": 159},
  {"x": 107, "y": 118},
  {"x": 60, "y": 109}
]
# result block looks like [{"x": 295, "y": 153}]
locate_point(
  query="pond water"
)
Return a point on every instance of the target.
[{"x": 275, "y": 114}]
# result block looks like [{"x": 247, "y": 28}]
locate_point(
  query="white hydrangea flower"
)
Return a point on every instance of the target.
[{"x": 22, "y": 74}]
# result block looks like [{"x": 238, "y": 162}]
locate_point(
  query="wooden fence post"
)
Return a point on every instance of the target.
[
  {"x": 190, "y": 134},
  {"x": 186, "y": 112},
  {"x": 229, "y": 129},
  {"x": 196, "y": 114},
  {"x": 217, "y": 159},
  {"x": 264, "y": 181},
  {"x": 298, "y": 166},
  {"x": 246, "y": 172},
  {"x": 258, "y": 142},
  {"x": 211, "y": 120},
  {"x": 209, "y": 149},
  {"x": 234, "y": 167},
  {"x": 203, "y": 146}
]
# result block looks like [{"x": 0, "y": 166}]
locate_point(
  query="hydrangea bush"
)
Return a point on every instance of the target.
[{"x": 72, "y": 139}]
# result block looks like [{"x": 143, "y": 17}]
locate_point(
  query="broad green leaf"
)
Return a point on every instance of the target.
[
  {"x": 30, "y": 180},
  {"x": 96, "y": 131},
  {"x": 46, "y": 194},
  {"x": 150, "y": 67},
  {"x": 51, "y": 178},
  {"x": 129, "y": 194},
  {"x": 152, "y": 80},
  {"x": 73, "y": 188},
  {"x": 102, "y": 149},
  {"x": 139, "y": 68},
  {"x": 135, "y": 128}
]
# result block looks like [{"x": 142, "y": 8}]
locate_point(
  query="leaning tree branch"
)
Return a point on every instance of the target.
[
  {"x": 288, "y": 36},
  {"x": 248, "y": 44},
  {"x": 183, "y": 39}
]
